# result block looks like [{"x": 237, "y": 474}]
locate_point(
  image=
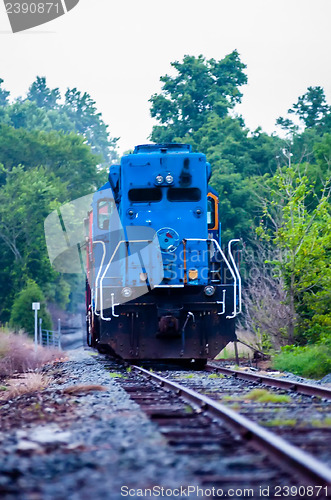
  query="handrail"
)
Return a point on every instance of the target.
[
  {"x": 98, "y": 276},
  {"x": 234, "y": 313},
  {"x": 107, "y": 267},
  {"x": 236, "y": 271}
]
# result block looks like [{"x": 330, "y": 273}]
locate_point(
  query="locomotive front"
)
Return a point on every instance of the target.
[{"x": 159, "y": 285}]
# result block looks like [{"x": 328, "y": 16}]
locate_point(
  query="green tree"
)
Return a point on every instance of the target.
[
  {"x": 4, "y": 95},
  {"x": 22, "y": 315},
  {"x": 42, "y": 95},
  {"x": 303, "y": 239},
  {"x": 65, "y": 156},
  {"x": 311, "y": 108},
  {"x": 199, "y": 88}
]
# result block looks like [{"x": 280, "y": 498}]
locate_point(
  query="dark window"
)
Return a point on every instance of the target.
[
  {"x": 184, "y": 194},
  {"x": 105, "y": 209},
  {"x": 211, "y": 213},
  {"x": 145, "y": 195}
]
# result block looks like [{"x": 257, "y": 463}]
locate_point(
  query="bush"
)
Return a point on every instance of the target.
[
  {"x": 17, "y": 354},
  {"x": 312, "y": 361},
  {"x": 22, "y": 315}
]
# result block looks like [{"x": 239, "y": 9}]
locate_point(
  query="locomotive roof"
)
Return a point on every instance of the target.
[{"x": 163, "y": 148}]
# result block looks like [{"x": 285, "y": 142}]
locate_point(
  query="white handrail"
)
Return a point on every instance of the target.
[
  {"x": 98, "y": 276},
  {"x": 107, "y": 267},
  {"x": 234, "y": 313},
  {"x": 236, "y": 271}
]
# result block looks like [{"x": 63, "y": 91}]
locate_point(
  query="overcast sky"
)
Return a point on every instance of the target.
[{"x": 116, "y": 50}]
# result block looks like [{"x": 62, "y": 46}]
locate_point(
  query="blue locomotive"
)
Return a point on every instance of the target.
[{"x": 159, "y": 285}]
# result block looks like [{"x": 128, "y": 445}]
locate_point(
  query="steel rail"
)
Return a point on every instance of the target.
[
  {"x": 290, "y": 385},
  {"x": 309, "y": 468}
]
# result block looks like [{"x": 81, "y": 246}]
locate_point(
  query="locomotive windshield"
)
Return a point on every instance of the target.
[
  {"x": 146, "y": 195},
  {"x": 184, "y": 194}
]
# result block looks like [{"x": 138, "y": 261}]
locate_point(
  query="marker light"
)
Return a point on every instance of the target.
[
  {"x": 193, "y": 274},
  {"x": 126, "y": 292},
  {"x": 169, "y": 179},
  {"x": 209, "y": 290},
  {"x": 159, "y": 179},
  {"x": 143, "y": 276}
]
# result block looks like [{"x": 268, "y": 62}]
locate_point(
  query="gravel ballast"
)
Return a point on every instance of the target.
[{"x": 84, "y": 445}]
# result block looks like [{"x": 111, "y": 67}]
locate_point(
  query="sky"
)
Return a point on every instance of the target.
[{"x": 117, "y": 51}]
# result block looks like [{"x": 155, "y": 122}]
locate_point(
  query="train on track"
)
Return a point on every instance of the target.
[{"x": 159, "y": 285}]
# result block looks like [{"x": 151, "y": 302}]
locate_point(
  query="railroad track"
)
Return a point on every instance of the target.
[
  {"x": 231, "y": 449},
  {"x": 299, "y": 387}
]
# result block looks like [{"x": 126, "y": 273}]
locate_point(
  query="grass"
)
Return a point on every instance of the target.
[
  {"x": 311, "y": 361},
  {"x": 27, "y": 383},
  {"x": 216, "y": 375},
  {"x": 264, "y": 396},
  {"x": 17, "y": 354},
  {"x": 278, "y": 422},
  {"x": 260, "y": 396},
  {"x": 322, "y": 423},
  {"x": 115, "y": 375}
]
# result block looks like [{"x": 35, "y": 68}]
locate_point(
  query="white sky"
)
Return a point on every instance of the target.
[{"x": 117, "y": 51}]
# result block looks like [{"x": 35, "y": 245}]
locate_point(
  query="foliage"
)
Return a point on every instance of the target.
[
  {"x": 193, "y": 108},
  {"x": 312, "y": 361},
  {"x": 200, "y": 87},
  {"x": 17, "y": 354},
  {"x": 311, "y": 108},
  {"x": 303, "y": 240},
  {"x": 22, "y": 315},
  {"x": 44, "y": 110}
]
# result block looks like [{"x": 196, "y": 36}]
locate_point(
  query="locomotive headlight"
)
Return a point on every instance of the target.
[
  {"x": 169, "y": 179},
  {"x": 209, "y": 290},
  {"x": 143, "y": 276},
  {"x": 159, "y": 179},
  {"x": 126, "y": 292}
]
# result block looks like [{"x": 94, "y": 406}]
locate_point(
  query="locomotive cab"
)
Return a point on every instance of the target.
[{"x": 160, "y": 286}]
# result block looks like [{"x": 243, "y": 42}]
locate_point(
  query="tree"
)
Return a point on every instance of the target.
[
  {"x": 42, "y": 95},
  {"x": 66, "y": 156},
  {"x": 43, "y": 110},
  {"x": 82, "y": 113},
  {"x": 311, "y": 108},
  {"x": 4, "y": 94},
  {"x": 22, "y": 315},
  {"x": 302, "y": 237},
  {"x": 200, "y": 87}
]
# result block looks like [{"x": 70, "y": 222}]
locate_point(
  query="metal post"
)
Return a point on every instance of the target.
[
  {"x": 35, "y": 308},
  {"x": 236, "y": 352},
  {"x": 59, "y": 332},
  {"x": 40, "y": 331}
]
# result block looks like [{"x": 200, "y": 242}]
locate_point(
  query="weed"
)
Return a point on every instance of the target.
[
  {"x": 17, "y": 353},
  {"x": 189, "y": 375},
  {"x": 264, "y": 396},
  {"x": 129, "y": 369},
  {"x": 322, "y": 423},
  {"x": 277, "y": 422},
  {"x": 216, "y": 375},
  {"x": 115, "y": 375},
  {"x": 188, "y": 409},
  {"x": 29, "y": 382},
  {"x": 235, "y": 406},
  {"x": 3, "y": 388}
]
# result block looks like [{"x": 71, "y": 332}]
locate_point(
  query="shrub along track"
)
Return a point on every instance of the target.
[{"x": 230, "y": 450}]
